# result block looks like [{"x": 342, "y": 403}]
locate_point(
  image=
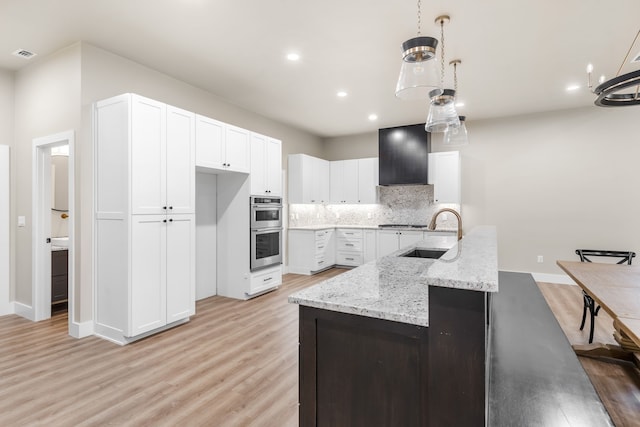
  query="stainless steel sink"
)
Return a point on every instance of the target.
[{"x": 425, "y": 253}]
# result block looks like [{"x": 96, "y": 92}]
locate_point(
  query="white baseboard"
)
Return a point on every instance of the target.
[
  {"x": 81, "y": 330},
  {"x": 24, "y": 310},
  {"x": 561, "y": 279}
]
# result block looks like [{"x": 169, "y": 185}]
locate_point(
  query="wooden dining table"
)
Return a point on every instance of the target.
[{"x": 616, "y": 288}]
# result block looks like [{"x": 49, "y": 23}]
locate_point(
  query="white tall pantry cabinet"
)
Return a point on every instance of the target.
[{"x": 144, "y": 217}]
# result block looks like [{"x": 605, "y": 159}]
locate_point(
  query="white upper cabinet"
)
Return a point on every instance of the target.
[
  {"x": 266, "y": 166},
  {"x": 209, "y": 143},
  {"x": 367, "y": 180},
  {"x": 237, "y": 142},
  {"x": 308, "y": 179},
  {"x": 344, "y": 181},
  {"x": 444, "y": 174},
  {"x": 180, "y": 162},
  {"x": 221, "y": 146},
  {"x": 148, "y": 156}
]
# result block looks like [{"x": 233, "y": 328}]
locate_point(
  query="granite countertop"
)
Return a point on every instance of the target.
[
  {"x": 397, "y": 288},
  {"x": 369, "y": 227}
]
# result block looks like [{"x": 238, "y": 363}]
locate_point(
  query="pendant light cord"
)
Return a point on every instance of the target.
[
  {"x": 419, "y": 18},
  {"x": 442, "y": 52},
  {"x": 627, "y": 55}
]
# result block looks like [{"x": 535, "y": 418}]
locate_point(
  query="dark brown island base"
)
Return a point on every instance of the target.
[{"x": 432, "y": 343}]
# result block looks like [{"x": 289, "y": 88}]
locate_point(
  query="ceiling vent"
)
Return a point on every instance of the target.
[{"x": 22, "y": 53}]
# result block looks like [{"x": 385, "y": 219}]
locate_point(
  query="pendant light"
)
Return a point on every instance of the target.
[
  {"x": 620, "y": 91},
  {"x": 442, "y": 110},
  {"x": 419, "y": 70},
  {"x": 456, "y": 136}
]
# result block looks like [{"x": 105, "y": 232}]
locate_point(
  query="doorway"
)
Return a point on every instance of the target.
[{"x": 45, "y": 211}]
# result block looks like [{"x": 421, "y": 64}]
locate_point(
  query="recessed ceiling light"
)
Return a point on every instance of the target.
[
  {"x": 460, "y": 104},
  {"x": 572, "y": 88},
  {"x": 341, "y": 94},
  {"x": 373, "y": 117},
  {"x": 293, "y": 57}
]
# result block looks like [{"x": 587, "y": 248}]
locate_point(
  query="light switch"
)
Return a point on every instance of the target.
[{"x": 22, "y": 221}]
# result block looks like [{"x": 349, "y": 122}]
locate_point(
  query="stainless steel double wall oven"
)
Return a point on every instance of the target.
[{"x": 266, "y": 231}]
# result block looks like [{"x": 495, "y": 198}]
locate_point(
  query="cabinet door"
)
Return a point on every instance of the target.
[
  {"x": 209, "y": 143},
  {"x": 369, "y": 243},
  {"x": 148, "y": 161},
  {"x": 350, "y": 181},
  {"x": 321, "y": 179},
  {"x": 367, "y": 180},
  {"x": 258, "y": 174},
  {"x": 444, "y": 174},
  {"x": 180, "y": 161},
  {"x": 336, "y": 179},
  {"x": 237, "y": 142},
  {"x": 274, "y": 167},
  {"x": 147, "y": 310},
  {"x": 180, "y": 267},
  {"x": 408, "y": 238},
  {"x": 387, "y": 242}
]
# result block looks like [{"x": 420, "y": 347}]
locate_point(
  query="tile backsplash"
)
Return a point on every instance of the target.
[{"x": 406, "y": 204}]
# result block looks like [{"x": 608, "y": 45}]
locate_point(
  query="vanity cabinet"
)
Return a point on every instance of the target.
[
  {"x": 309, "y": 179},
  {"x": 266, "y": 166},
  {"x": 144, "y": 248},
  {"x": 444, "y": 175},
  {"x": 222, "y": 146},
  {"x": 59, "y": 276}
]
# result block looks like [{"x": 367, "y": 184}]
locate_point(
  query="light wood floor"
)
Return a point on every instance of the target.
[{"x": 234, "y": 364}]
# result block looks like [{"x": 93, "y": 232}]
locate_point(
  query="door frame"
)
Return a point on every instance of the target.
[{"x": 41, "y": 214}]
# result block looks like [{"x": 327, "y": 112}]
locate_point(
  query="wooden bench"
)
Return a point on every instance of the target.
[{"x": 535, "y": 378}]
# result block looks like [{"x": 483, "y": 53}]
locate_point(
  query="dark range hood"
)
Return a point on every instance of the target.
[{"x": 404, "y": 155}]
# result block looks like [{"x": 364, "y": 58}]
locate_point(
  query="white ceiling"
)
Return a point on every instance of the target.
[{"x": 518, "y": 56}]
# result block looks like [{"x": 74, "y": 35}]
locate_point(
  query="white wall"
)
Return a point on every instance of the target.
[
  {"x": 5, "y": 241},
  {"x": 6, "y": 138},
  {"x": 550, "y": 182},
  {"x": 46, "y": 101}
]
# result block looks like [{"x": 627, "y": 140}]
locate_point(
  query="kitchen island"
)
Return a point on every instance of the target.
[{"x": 400, "y": 340}]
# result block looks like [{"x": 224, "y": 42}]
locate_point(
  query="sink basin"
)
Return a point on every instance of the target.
[
  {"x": 62, "y": 242},
  {"x": 425, "y": 253}
]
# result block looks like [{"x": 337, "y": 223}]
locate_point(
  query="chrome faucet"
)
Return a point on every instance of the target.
[{"x": 432, "y": 224}]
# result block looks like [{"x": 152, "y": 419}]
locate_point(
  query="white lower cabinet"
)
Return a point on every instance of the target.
[
  {"x": 311, "y": 251},
  {"x": 263, "y": 280},
  {"x": 370, "y": 245},
  {"x": 349, "y": 247},
  {"x": 391, "y": 240}
]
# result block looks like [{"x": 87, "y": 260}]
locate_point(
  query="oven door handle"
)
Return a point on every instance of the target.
[
  {"x": 265, "y": 230},
  {"x": 265, "y": 207}
]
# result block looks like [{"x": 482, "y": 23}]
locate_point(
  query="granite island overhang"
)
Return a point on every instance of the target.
[
  {"x": 399, "y": 340},
  {"x": 396, "y": 288}
]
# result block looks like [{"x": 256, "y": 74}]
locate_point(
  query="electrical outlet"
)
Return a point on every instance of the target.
[
  {"x": 540, "y": 259},
  {"x": 369, "y": 215},
  {"x": 22, "y": 221},
  {"x": 337, "y": 215},
  {"x": 297, "y": 216}
]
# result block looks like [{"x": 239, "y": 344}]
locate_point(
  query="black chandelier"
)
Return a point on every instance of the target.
[{"x": 615, "y": 92}]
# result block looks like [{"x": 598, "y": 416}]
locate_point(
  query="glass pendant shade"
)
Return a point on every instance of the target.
[
  {"x": 455, "y": 136},
  {"x": 419, "y": 71},
  {"x": 442, "y": 112}
]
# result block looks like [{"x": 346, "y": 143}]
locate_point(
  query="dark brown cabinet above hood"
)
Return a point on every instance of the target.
[{"x": 404, "y": 155}]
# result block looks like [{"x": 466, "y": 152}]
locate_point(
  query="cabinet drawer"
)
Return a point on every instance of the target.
[
  {"x": 59, "y": 262},
  {"x": 321, "y": 263},
  {"x": 349, "y": 233},
  {"x": 266, "y": 280},
  {"x": 321, "y": 247},
  {"x": 347, "y": 258},
  {"x": 350, "y": 245}
]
